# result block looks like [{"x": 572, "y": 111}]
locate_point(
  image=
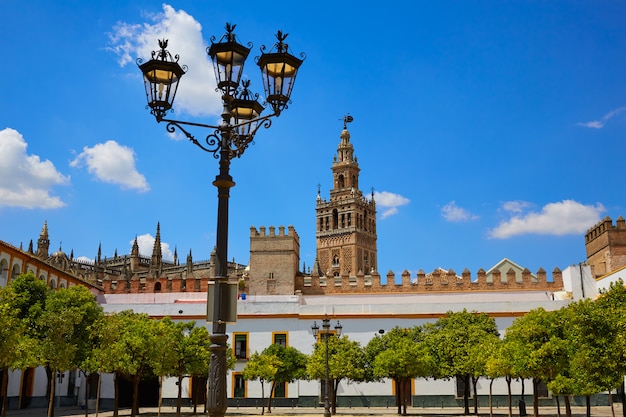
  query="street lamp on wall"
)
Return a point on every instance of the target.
[
  {"x": 325, "y": 333},
  {"x": 241, "y": 118}
]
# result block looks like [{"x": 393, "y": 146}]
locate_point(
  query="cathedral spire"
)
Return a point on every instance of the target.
[
  {"x": 134, "y": 256},
  {"x": 43, "y": 243},
  {"x": 156, "y": 262}
]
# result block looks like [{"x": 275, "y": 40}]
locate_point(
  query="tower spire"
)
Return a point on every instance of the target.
[
  {"x": 43, "y": 243},
  {"x": 156, "y": 262}
]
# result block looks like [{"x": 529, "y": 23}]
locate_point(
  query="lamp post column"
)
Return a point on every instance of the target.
[
  {"x": 326, "y": 389},
  {"x": 218, "y": 398}
]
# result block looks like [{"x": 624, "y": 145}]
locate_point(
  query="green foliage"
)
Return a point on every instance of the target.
[
  {"x": 346, "y": 360},
  {"x": 400, "y": 354},
  {"x": 456, "y": 341},
  {"x": 65, "y": 325},
  {"x": 292, "y": 363},
  {"x": 261, "y": 366},
  {"x": 12, "y": 331},
  {"x": 29, "y": 299},
  {"x": 538, "y": 345}
]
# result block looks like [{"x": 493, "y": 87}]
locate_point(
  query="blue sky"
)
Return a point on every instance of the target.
[{"x": 486, "y": 129}]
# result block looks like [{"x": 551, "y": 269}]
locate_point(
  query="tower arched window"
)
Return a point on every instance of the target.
[
  {"x": 335, "y": 219},
  {"x": 340, "y": 181}
]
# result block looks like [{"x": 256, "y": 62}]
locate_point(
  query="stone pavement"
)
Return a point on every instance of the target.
[{"x": 596, "y": 411}]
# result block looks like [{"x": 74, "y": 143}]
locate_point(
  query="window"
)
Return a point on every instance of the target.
[
  {"x": 407, "y": 385},
  {"x": 280, "y": 339},
  {"x": 322, "y": 335},
  {"x": 460, "y": 387},
  {"x": 239, "y": 386},
  {"x": 542, "y": 389},
  {"x": 241, "y": 345},
  {"x": 280, "y": 391}
]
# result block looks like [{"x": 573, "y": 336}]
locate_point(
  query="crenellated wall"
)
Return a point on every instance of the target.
[{"x": 437, "y": 281}]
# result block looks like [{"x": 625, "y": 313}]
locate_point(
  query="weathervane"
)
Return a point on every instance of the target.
[{"x": 347, "y": 119}]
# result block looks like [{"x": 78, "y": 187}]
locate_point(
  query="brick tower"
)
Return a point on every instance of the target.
[
  {"x": 605, "y": 244},
  {"x": 274, "y": 260},
  {"x": 346, "y": 225}
]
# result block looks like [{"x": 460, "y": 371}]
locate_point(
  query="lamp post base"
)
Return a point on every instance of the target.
[{"x": 217, "y": 402}]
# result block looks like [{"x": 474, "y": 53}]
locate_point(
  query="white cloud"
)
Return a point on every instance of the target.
[
  {"x": 560, "y": 218},
  {"x": 599, "y": 124},
  {"x": 455, "y": 214},
  {"x": 594, "y": 124},
  {"x": 196, "y": 91},
  {"x": 26, "y": 180},
  {"x": 146, "y": 245},
  {"x": 516, "y": 206},
  {"x": 390, "y": 202},
  {"x": 112, "y": 163}
]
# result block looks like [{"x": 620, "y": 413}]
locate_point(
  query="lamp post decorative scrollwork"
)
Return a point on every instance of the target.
[
  {"x": 241, "y": 119},
  {"x": 325, "y": 334}
]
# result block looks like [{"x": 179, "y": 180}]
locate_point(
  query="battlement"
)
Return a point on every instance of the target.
[
  {"x": 436, "y": 281},
  {"x": 605, "y": 226},
  {"x": 262, "y": 232}
]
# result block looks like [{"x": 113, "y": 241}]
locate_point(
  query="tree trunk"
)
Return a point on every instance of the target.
[
  {"x": 474, "y": 382},
  {"x": 160, "y": 395},
  {"x": 50, "y": 377},
  {"x": 116, "y": 399},
  {"x": 568, "y": 407},
  {"x": 508, "y": 385},
  {"x": 405, "y": 394},
  {"x": 179, "y": 399},
  {"x": 523, "y": 400},
  {"x": 623, "y": 398},
  {"x": 333, "y": 398},
  {"x": 611, "y": 403},
  {"x": 51, "y": 399},
  {"x": 86, "y": 395},
  {"x": 135, "y": 407},
  {"x": 491, "y": 398},
  {"x": 466, "y": 391},
  {"x": 269, "y": 400},
  {"x": 262, "y": 398},
  {"x": 558, "y": 406},
  {"x": 535, "y": 397},
  {"x": 4, "y": 382},
  {"x": 398, "y": 395},
  {"x": 196, "y": 389},
  {"x": 98, "y": 394}
]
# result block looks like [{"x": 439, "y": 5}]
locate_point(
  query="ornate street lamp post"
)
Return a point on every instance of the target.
[
  {"x": 241, "y": 118},
  {"x": 325, "y": 334}
]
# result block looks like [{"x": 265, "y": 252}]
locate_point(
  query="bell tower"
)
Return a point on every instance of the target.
[{"x": 346, "y": 224}]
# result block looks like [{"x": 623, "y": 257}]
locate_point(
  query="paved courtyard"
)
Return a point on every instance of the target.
[{"x": 601, "y": 411}]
